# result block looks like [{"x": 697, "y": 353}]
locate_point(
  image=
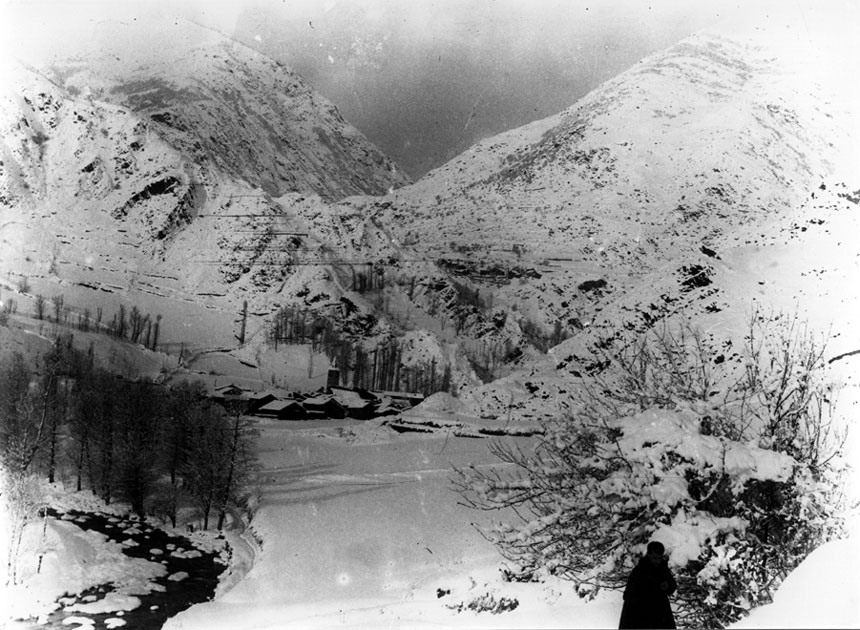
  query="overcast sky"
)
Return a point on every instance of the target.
[{"x": 425, "y": 79}]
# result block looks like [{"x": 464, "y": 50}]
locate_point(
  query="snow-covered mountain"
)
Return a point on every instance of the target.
[
  {"x": 140, "y": 168},
  {"x": 686, "y": 151},
  {"x": 221, "y": 103},
  {"x": 168, "y": 167},
  {"x": 709, "y": 180}
]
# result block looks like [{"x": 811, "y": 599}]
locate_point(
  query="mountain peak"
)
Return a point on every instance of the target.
[{"x": 220, "y": 102}]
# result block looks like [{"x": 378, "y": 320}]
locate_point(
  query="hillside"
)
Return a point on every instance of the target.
[
  {"x": 222, "y": 105},
  {"x": 652, "y": 200},
  {"x": 149, "y": 175},
  {"x": 137, "y": 175},
  {"x": 692, "y": 147}
]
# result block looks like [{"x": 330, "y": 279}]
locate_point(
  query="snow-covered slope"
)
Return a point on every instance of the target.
[
  {"x": 813, "y": 595},
  {"x": 708, "y": 180},
  {"x": 691, "y": 147},
  {"x": 168, "y": 167},
  {"x": 139, "y": 169},
  {"x": 222, "y": 103}
]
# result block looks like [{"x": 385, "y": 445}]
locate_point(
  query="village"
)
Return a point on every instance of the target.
[{"x": 333, "y": 402}]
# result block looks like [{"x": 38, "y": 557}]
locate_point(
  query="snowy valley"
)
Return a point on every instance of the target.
[{"x": 695, "y": 217}]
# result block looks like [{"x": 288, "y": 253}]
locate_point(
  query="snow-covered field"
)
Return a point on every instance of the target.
[
  {"x": 358, "y": 527},
  {"x": 361, "y": 528}
]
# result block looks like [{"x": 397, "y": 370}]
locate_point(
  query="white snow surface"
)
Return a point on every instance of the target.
[
  {"x": 73, "y": 560},
  {"x": 820, "y": 593},
  {"x": 360, "y": 529},
  {"x": 650, "y": 434}
]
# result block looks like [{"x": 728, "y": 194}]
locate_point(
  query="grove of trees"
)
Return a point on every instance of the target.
[
  {"x": 135, "y": 441},
  {"x": 131, "y": 324},
  {"x": 379, "y": 367}
]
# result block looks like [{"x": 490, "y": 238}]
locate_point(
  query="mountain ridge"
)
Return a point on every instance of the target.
[
  {"x": 204, "y": 92},
  {"x": 546, "y": 232}
]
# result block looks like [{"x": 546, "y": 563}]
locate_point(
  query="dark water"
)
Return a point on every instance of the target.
[{"x": 157, "y": 607}]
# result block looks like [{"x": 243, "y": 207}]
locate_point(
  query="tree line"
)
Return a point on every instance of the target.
[
  {"x": 156, "y": 448},
  {"x": 130, "y": 324},
  {"x": 380, "y": 367}
]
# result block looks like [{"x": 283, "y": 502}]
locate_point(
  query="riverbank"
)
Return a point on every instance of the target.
[
  {"x": 362, "y": 528},
  {"x": 88, "y": 563}
]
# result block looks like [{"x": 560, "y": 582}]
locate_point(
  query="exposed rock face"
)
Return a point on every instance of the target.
[
  {"x": 689, "y": 149},
  {"x": 221, "y": 103},
  {"x": 203, "y": 176}
]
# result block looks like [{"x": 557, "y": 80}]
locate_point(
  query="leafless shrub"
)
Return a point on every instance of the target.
[{"x": 581, "y": 506}]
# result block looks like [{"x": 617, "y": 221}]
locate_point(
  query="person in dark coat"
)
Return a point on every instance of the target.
[{"x": 646, "y": 597}]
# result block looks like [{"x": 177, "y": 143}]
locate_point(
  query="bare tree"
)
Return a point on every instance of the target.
[
  {"x": 582, "y": 503},
  {"x": 138, "y": 442},
  {"x": 58, "y": 302},
  {"x": 19, "y": 431},
  {"x": 243, "y": 322},
  {"x": 60, "y": 370},
  {"x": 120, "y": 326},
  {"x": 82, "y": 420},
  {"x": 102, "y": 401},
  {"x": 21, "y": 438},
  {"x": 136, "y": 323},
  {"x": 203, "y": 462},
  {"x": 39, "y": 306},
  {"x": 239, "y": 459},
  {"x": 24, "y": 499},
  {"x": 84, "y": 321},
  {"x": 155, "y": 329}
]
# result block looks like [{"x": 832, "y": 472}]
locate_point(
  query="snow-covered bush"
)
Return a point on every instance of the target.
[
  {"x": 729, "y": 463},
  {"x": 21, "y": 501},
  {"x": 487, "y": 603}
]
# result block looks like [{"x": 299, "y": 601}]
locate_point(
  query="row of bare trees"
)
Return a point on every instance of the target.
[
  {"x": 135, "y": 441},
  {"x": 130, "y": 324},
  {"x": 380, "y": 367},
  {"x": 383, "y": 368}
]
